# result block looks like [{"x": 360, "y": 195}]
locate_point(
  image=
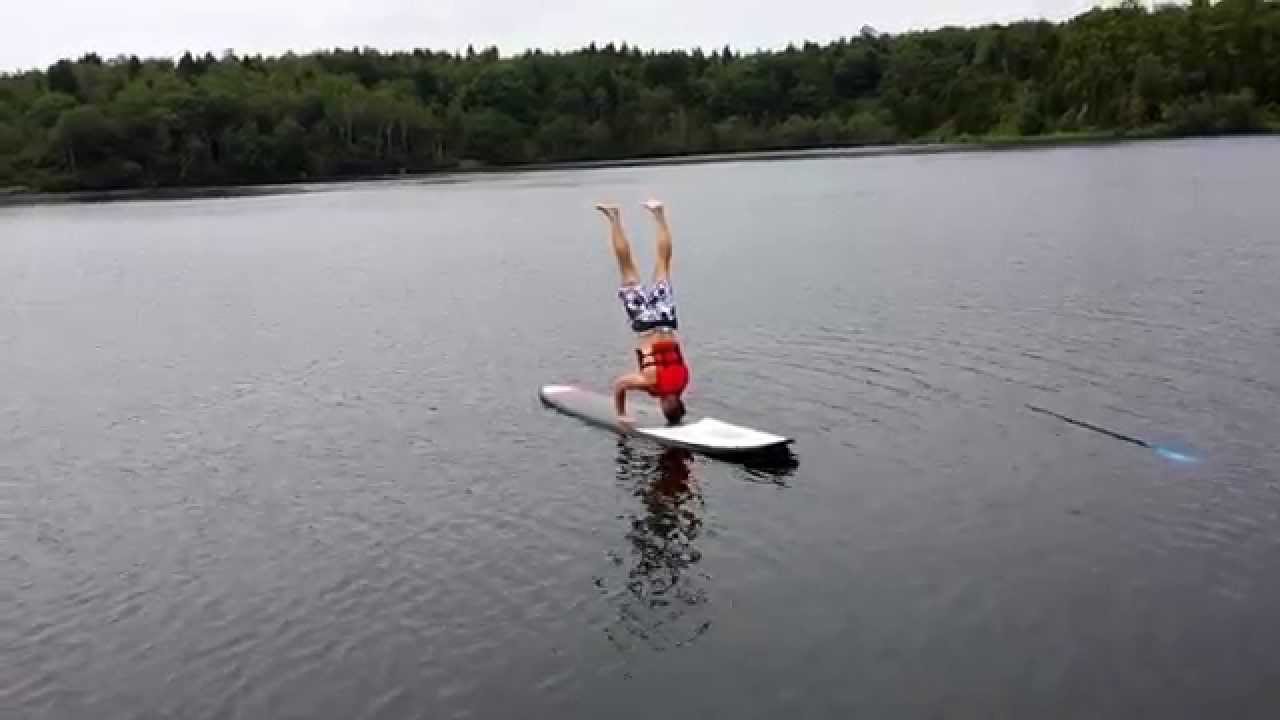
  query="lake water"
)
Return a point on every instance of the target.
[{"x": 283, "y": 457}]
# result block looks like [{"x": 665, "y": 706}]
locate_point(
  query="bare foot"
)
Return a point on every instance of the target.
[{"x": 610, "y": 211}]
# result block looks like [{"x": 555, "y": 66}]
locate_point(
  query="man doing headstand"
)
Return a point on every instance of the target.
[{"x": 651, "y": 308}]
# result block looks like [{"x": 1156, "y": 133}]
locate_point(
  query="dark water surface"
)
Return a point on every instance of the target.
[{"x": 282, "y": 457}]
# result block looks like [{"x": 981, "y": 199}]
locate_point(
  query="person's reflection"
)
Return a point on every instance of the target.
[{"x": 662, "y": 582}]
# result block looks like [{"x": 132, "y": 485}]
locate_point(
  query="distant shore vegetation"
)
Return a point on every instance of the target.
[{"x": 127, "y": 122}]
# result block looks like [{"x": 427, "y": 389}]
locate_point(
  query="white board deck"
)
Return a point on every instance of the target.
[
  {"x": 702, "y": 434},
  {"x": 712, "y": 433}
]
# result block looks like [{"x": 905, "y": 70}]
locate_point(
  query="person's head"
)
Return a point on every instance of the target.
[{"x": 672, "y": 408}]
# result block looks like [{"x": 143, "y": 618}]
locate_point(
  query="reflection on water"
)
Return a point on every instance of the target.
[
  {"x": 774, "y": 467},
  {"x": 662, "y": 588}
]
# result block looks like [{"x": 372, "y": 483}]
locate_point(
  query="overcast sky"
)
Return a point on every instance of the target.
[{"x": 37, "y": 32}]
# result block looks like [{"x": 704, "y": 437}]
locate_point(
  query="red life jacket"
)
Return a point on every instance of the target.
[{"x": 673, "y": 374}]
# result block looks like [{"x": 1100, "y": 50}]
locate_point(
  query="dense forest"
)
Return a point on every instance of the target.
[{"x": 205, "y": 120}]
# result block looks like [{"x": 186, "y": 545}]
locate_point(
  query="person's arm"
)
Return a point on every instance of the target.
[{"x": 630, "y": 381}]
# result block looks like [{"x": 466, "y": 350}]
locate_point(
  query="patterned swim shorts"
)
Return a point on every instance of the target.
[{"x": 650, "y": 307}]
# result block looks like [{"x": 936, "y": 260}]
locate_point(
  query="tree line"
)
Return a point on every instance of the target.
[{"x": 205, "y": 120}]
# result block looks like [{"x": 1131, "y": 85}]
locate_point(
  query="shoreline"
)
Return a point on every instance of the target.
[{"x": 20, "y": 196}]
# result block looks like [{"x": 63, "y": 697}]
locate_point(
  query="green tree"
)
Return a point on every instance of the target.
[
  {"x": 84, "y": 136},
  {"x": 1150, "y": 90},
  {"x": 494, "y": 137},
  {"x": 62, "y": 78}
]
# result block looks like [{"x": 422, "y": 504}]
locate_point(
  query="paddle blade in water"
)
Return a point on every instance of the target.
[{"x": 1175, "y": 455}]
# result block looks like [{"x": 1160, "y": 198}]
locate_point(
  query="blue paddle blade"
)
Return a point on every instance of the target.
[{"x": 1175, "y": 455}]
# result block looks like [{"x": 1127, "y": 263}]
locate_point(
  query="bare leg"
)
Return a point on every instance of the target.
[
  {"x": 621, "y": 248},
  {"x": 662, "y": 269}
]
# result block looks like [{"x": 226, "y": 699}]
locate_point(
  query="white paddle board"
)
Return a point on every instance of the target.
[{"x": 706, "y": 435}]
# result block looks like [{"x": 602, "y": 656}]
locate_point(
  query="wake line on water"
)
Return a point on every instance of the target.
[{"x": 1164, "y": 452}]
